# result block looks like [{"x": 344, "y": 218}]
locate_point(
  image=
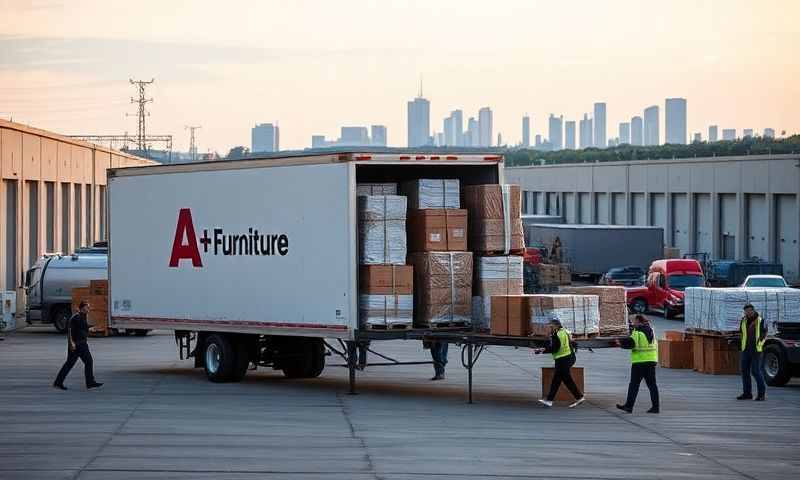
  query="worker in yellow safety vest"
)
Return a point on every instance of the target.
[
  {"x": 753, "y": 331},
  {"x": 563, "y": 349},
  {"x": 644, "y": 356}
]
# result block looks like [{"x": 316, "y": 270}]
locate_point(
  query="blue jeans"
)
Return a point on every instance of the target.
[
  {"x": 439, "y": 356},
  {"x": 753, "y": 363}
]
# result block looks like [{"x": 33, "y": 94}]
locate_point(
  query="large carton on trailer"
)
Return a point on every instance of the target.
[
  {"x": 258, "y": 246},
  {"x": 443, "y": 283},
  {"x": 495, "y": 218},
  {"x": 437, "y": 230}
]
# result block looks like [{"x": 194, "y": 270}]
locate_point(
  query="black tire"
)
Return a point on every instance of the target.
[
  {"x": 60, "y": 319},
  {"x": 220, "y": 358},
  {"x": 777, "y": 371},
  {"x": 308, "y": 358},
  {"x": 668, "y": 313},
  {"x": 242, "y": 346},
  {"x": 140, "y": 332},
  {"x": 639, "y": 306}
]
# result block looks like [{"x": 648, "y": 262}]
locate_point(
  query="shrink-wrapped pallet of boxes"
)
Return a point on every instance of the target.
[
  {"x": 720, "y": 309},
  {"x": 386, "y": 300},
  {"x": 612, "y": 307},
  {"x": 494, "y": 276},
  {"x": 495, "y": 222},
  {"x": 578, "y": 313},
  {"x": 382, "y": 230},
  {"x": 376, "y": 189},
  {"x": 432, "y": 193},
  {"x": 442, "y": 288}
]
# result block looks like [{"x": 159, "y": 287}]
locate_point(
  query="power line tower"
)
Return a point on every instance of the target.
[
  {"x": 142, "y": 113},
  {"x": 192, "y": 145}
]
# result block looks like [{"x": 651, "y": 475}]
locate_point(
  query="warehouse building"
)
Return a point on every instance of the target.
[
  {"x": 52, "y": 196},
  {"x": 729, "y": 207}
]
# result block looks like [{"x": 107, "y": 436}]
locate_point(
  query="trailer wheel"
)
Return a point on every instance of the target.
[
  {"x": 140, "y": 332},
  {"x": 639, "y": 306},
  {"x": 776, "y": 366},
  {"x": 668, "y": 313},
  {"x": 309, "y": 358},
  {"x": 61, "y": 319},
  {"x": 242, "y": 358},
  {"x": 220, "y": 358}
]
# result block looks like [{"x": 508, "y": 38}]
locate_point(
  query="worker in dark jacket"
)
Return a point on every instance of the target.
[
  {"x": 644, "y": 357},
  {"x": 563, "y": 349},
  {"x": 753, "y": 331},
  {"x": 78, "y": 347}
]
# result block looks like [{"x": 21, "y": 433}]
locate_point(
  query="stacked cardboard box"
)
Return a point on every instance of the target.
[
  {"x": 386, "y": 296},
  {"x": 437, "y": 230},
  {"x": 675, "y": 351},
  {"x": 430, "y": 193},
  {"x": 79, "y": 294},
  {"x": 720, "y": 309},
  {"x": 495, "y": 218},
  {"x": 376, "y": 189},
  {"x": 578, "y": 313},
  {"x": 443, "y": 288},
  {"x": 612, "y": 307},
  {"x": 714, "y": 355},
  {"x": 382, "y": 230},
  {"x": 509, "y": 315},
  {"x": 494, "y": 276}
]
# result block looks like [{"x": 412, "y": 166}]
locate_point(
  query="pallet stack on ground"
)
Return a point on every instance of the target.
[
  {"x": 612, "y": 307},
  {"x": 714, "y": 354},
  {"x": 553, "y": 275},
  {"x": 720, "y": 309},
  {"x": 385, "y": 291},
  {"x": 675, "y": 351}
]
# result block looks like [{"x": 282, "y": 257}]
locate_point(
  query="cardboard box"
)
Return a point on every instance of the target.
[
  {"x": 437, "y": 229},
  {"x": 98, "y": 319},
  {"x": 578, "y": 313},
  {"x": 723, "y": 362},
  {"x": 495, "y": 217},
  {"x": 98, "y": 303},
  {"x": 509, "y": 315},
  {"x": 494, "y": 276},
  {"x": 487, "y": 201},
  {"x": 562, "y": 394},
  {"x": 442, "y": 287},
  {"x": 714, "y": 355},
  {"x": 487, "y": 235},
  {"x": 675, "y": 354},
  {"x": 98, "y": 287},
  {"x": 78, "y": 294},
  {"x": 613, "y": 310},
  {"x": 386, "y": 279},
  {"x": 674, "y": 336}
]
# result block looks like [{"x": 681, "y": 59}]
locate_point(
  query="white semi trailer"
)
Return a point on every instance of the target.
[{"x": 253, "y": 261}]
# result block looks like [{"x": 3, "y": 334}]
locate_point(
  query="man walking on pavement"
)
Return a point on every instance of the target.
[
  {"x": 78, "y": 347},
  {"x": 563, "y": 350},
  {"x": 753, "y": 332},
  {"x": 644, "y": 357}
]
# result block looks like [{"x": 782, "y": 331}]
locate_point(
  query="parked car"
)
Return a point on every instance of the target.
[
  {"x": 630, "y": 276},
  {"x": 764, "y": 281},
  {"x": 666, "y": 282}
]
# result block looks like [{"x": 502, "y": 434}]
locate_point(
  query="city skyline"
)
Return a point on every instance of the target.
[{"x": 217, "y": 68}]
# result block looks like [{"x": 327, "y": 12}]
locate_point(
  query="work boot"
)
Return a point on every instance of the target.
[
  {"x": 744, "y": 396},
  {"x": 94, "y": 385},
  {"x": 761, "y": 398},
  {"x": 625, "y": 408},
  {"x": 59, "y": 386},
  {"x": 653, "y": 410},
  {"x": 438, "y": 376}
]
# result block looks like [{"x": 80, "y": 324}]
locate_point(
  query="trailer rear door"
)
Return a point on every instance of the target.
[{"x": 257, "y": 250}]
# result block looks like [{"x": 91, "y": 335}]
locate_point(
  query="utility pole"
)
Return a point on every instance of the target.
[
  {"x": 192, "y": 145},
  {"x": 142, "y": 113}
]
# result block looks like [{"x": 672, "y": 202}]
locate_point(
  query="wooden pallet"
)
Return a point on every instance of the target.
[
  {"x": 395, "y": 326},
  {"x": 709, "y": 333},
  {"x": 446, "y": 325},
  {"x": 501, "y": 253}
]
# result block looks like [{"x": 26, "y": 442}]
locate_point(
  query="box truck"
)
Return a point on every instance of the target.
[{"x": 253, "y": 261}]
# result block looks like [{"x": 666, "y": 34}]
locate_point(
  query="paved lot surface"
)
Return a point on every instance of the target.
[{"x": 156, "y": 417}]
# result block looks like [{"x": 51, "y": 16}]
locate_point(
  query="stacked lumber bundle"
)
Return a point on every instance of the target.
[
  {"x": 612, "y": 307},
  {"x": 376, "y": 189},
  {"x": 494, "y": 276},
  {"x": 495, "y": 218},
  {"x": 386, "y": 296},
  {"x": 443, "y": 289},
  {"x": 720, "y": 309},
  {"x": 675, "y": 351},
  {"x": 578, "y": 313}
]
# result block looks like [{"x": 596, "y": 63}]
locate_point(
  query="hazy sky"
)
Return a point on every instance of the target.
[{"x": 314, "y": 66}]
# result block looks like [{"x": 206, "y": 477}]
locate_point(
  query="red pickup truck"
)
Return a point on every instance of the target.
[{"x": 666, "y": 282}]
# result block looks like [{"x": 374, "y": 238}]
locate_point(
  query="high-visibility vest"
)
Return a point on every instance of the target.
[
  {"x": 759, "y": 341},
  {"x": 643, "y": 351},
  {"x": 564, "y": 348}
]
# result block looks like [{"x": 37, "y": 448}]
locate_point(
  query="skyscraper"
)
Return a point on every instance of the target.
[
  {"x": 354, "y": 136},
  {"x": 600, "y": 125},
  {"x": 556, "y": 132},
  {"x": 569, "y": 135},
  {"x": 526, "y": 131},
  {"x": 419, "y": 121},
  {"x": 264, "y": 138},
  {"x": 728, "y": 134},
  {"x": 712, "y": 133},
  {"x": 538, "y": 140},
  {"x": 624, "y": 133},
  {"x": 747, "y": 133},
  {"x": 586, "y": 132},
  {"x": 769, "y": 133},
  {"x": 378, "y": 135},
  {"x": 473, "y": 138},
  {"x": 458, "y": 127},
  {"x": 697, "y": 138},
  {"x": 651, "y": 130},
  {"x": 637, "y": 135},
  {"x": 449, "y": 132},
  {"x": 318, "y": 141},
  {"x": 675, "y": 120},
  {"x": 485, "y": 126}
]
